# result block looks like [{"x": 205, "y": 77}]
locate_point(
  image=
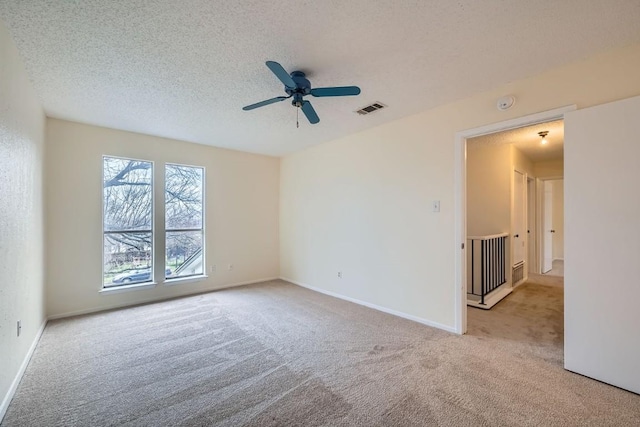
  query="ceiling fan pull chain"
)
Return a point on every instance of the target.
[{"x": 297, "y": 115}]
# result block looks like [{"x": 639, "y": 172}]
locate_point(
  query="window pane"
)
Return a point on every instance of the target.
[
  {"x": 127, "y": 194},
  {"x": 183, "y": 197},
  {"x": 127, "y": 258},
  {"x": 184, "y": 254}
]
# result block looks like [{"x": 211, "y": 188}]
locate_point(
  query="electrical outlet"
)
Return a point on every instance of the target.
[
  {"x": 19, "y": 327},
  {"x": 435, "y": 206},
  {"x": 212, "y": 269},
  {"x": 339, "y": 274},
  {"x": 230, "y": 267}
]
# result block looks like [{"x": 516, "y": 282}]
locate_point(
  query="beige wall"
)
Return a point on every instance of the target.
[
  {"x": 362, "y": 204},
  {"x": 489, "y": 186},
  {"x": 489, "y": 176},
  {"x": 242, "y": 192},
  {"x": 521, "y": 162},
  {"x": 549, "y": 169},
  {"x": 22, "y": 125}
]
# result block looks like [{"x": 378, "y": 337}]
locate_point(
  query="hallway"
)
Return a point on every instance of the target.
[
  {"x": 557, "y": 268},
  {"x": 530, "y": 318}
]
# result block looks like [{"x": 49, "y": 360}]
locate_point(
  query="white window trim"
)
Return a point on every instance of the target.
[
  {"x": 127, "y": 288},
  {"x": 141, "y": 285},
  {"x": 154, "y": 232},
  {"x": 186, "y": 279}
]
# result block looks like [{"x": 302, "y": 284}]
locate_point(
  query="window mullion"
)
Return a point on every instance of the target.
[{"x": 159, "y": 223}]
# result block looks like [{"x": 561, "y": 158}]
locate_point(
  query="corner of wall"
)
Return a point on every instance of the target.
[{"x": 22, "y": 129}]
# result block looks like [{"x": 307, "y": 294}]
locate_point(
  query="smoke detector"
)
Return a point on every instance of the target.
[{"x": 506, "y": 102}]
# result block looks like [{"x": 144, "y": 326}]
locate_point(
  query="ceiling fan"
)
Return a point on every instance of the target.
[{"x": 297, "y": 86}]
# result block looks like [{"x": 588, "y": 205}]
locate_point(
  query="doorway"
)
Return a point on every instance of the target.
[
  {"x": 505, "y": 171},
  {"x": 461, "y": 198},
  {"x": 552, "y": 249}
]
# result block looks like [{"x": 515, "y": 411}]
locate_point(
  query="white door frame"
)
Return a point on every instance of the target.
[
  {"x": 541, "y": 222},
  {"x": 460, "y": 198},
  {"x": 532, "y": 226},
  {"x": 511, "y": 262}
]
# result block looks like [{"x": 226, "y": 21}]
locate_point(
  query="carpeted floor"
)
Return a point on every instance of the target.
[
  {"x": 274, "y": 354},
  {"x": 532, "y": 316},
  {"x": 557, "y": 268}
]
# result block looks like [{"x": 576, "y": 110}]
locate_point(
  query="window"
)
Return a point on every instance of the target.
[
  {"x": 127, "y": 206},
  {"x": 184, "y": 228}
]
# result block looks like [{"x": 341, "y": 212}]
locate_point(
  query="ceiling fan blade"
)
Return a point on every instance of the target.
[
  {"x": 311, "y": 114},
  {"x": 267, "y": 102},
  {"x": 336, "y": 91},
  {"x": 281, "y": 74}
]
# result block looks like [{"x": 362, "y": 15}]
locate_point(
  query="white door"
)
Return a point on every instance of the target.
[
  {"x": 531, "y": 225},
  {"x": 557, "y": 221},
  {"x": 547, "y": 227},
  {"x": 602, "y": 242},
  {"x": 519, "y": 217}
]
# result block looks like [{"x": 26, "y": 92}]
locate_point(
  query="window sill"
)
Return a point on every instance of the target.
[
  {"x": 127, "y": 288},
  {"x": 188, "y": 279}
]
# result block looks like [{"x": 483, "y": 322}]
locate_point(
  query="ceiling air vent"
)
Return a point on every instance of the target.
[{"x": 371, "y": 108}]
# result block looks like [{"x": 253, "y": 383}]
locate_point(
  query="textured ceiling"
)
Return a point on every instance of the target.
[
  {"x": 527, "y": 140},
  {"x": 184, "y": 69}
]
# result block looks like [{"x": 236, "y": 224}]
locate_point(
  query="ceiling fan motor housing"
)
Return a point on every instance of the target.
[{"x": 303, "y": 86}]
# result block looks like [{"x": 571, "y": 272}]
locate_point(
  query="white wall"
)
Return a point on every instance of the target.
[
  {"x": 557, "y": 186},
  {"x": 242, "y": 192},
  {"x": 362, "y": 204},
  {"x": 22, "y": 125}
]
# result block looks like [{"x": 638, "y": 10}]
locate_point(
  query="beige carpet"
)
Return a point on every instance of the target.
[
  {"x": 557, "y": 268},
  {"x": 275, "y": 354},
  {"x": 531, "y": 316}
]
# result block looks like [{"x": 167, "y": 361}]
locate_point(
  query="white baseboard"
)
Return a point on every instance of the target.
[
  {"x": 14, "y": 385},
  {"x": 157, "y": 299},
  {"x": 492, "y": 298},
  {"x": 374, "y": 306}
]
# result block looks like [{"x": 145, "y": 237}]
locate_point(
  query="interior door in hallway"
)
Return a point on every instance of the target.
[
  {"x": 531, "y": 225},
  {"x": 547, "y": 227},
  {"x": 602, "y": 242},
  {"x": 519, "y": 217}
]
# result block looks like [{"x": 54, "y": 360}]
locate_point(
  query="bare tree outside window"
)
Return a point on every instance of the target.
[
  {"x": 184, "y": 225},
  {"x": 127, "y": 221}
]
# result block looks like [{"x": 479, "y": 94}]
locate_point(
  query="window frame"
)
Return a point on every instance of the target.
[
  {"x": 134, "y": 285},
  {"x": 202, "y": 229}
]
